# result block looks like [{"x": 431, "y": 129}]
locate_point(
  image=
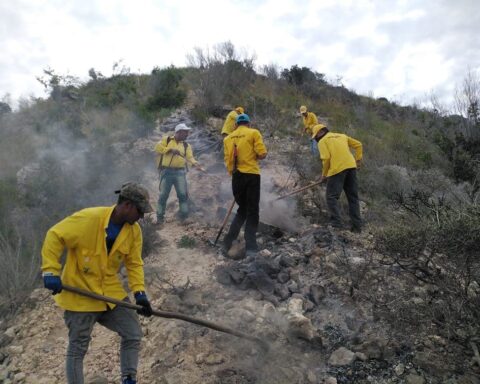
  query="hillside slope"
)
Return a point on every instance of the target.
[{"x": 313, "y": 293}]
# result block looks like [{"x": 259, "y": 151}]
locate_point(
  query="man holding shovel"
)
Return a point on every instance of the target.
[
  {"x": 98, "y": 241},
  {"x": 340, "y": 172},
  {"x": 242, "y": 150}
]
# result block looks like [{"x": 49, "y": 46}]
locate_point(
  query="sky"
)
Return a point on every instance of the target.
[{"x": 403, "y": 50}]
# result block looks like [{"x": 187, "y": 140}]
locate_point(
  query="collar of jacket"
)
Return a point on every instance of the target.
[{"x": 121, "y": 236}]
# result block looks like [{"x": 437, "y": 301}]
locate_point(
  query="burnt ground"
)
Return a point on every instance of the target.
[{"x": 313, "y": 294}]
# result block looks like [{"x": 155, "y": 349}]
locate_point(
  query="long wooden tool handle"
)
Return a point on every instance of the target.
[
  {"x": 224, "y": 221},
  {"x": 165, "y": 314},
  {"x": 298, "y": 190}
]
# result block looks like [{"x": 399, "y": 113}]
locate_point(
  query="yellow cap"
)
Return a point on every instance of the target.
[
  {"x": 239, "y": 110},
  {"x": 303, "y": 109},
  {"x": 317, "y": 129}
]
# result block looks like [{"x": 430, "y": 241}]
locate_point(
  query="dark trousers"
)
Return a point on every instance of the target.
[
  {"x": 346, "y": 181},
  {"x": 246, "y": 190}
]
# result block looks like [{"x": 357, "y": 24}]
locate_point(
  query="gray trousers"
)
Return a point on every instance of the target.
[
  {"x": 169, "y": 178},
  {"x": 80, "y": 325},
  {"x": 346, "y": 181}
]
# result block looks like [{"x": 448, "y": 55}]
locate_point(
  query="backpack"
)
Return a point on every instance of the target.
[{"x": 185, "y": 146}]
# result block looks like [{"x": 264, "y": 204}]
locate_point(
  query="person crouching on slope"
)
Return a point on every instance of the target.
[
  {"x": 340, "y": 173},
  {"x": 98, "y": 241},
  {"x": 242, "y": 150}
]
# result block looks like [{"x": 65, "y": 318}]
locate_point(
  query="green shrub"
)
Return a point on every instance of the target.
[
  {"x": 165, "y": 90},
  {"x": 186, "y": 242}
]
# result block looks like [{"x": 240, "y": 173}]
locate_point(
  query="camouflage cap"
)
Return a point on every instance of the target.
[{"x": 138, "y": 195}]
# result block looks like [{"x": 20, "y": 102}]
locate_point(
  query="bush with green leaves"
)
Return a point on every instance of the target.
[
  {"x": 165, "y": 88},
  {"x": 186, "y": 242}
]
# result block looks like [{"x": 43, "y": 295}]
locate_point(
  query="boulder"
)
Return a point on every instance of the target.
[
  {"x": 414, "y": 379},
  {"x": 341, "y": 356},
  {"x": 301, "y": 327},
  {"x": 317, "y": 293}
]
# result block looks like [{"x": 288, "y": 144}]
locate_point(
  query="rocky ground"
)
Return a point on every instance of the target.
[{"x": 307, "y": 294}]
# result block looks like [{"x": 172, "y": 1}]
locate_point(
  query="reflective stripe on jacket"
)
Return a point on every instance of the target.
[
  {"x": 230, "y": 122},
  {"x": 335, "y": 153},
  {"x": 87, "y": 264},
  {"x": 249, "y": 144},
  {"x": 173, "y": 161}
]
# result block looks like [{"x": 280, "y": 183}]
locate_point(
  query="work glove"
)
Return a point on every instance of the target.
[
  {"x": 52, "y": 282},
  {"x": 141, "y": 299}
]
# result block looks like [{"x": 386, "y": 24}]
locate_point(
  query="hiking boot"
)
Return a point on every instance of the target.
[
  {"x": 186, "y": 221},
  {"x": 225, "y": 248},
  {"x": 251, "y": 254},
  {"x": 159, "y": 224},
  {"x": 128, "y": 380},
  {"x": 335, "y": 227},
  {"x": 356, "y": 229}
]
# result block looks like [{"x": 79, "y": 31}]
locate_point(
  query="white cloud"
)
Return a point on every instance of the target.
[{"x": 405, "y": 47}]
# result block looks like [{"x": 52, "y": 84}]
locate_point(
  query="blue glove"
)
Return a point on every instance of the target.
[
  {"x": 141, "y": 299},
  {"x": 52, "y": 282}
]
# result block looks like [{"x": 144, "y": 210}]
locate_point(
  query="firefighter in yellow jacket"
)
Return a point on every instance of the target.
[
  {"x": 174, "y": 157},
  {"x": 99, "y": 241},
  {"x": 340, "y": 172},
  {"x": 309, "y": 121},
  {"x": 230, "y": 121},
  {"x": 242, "y": 150}
]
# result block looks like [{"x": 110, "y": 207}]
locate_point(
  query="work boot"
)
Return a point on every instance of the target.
[
  {"x": 159, "y": 224},
  {"x": 251, "y": 254},
  {"x": 186, "y": 221},
  {"x": 226, "y": 245},
  {"x": 356, "y": 229},
  {"x": 335, "y": 225},
  {"x": 128, "y": 380}
]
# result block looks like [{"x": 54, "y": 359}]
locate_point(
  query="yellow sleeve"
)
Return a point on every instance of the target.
[
  {"x": 229, "y": 122},
  {"x": 314, "y": 120},
  {"x": 305, "y": 121},
  {"x": 189, "y": 155},
  {"x": 357, "y": 146},
  {"x": 62, "y": 235},
  {"x": 258, "y": 145},
  {"x": 134, "y": 262},
  {"x": 227, "y": 156},
  {"x": 325, "y": 156},
  {"x": 161, "y": 146}
]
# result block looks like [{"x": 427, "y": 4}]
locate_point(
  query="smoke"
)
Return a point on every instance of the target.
[{"x": 279, "y": 213}]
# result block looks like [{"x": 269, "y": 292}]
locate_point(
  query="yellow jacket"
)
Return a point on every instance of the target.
[
  {"x": 230, "y": 122},
  {"x": 87, "y": 264},
  {"x": 249, "y": 143},
  {"x": 173, "y": 161},
  {"x": 309, "y": 122},
  {"x": 335, "y": 153}
]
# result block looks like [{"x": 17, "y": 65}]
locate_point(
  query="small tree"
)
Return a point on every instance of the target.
[
  {"x": 221, "y": 76},
  {"x": 467, "y": 103},
  {"x": 165, "y": 88}
]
